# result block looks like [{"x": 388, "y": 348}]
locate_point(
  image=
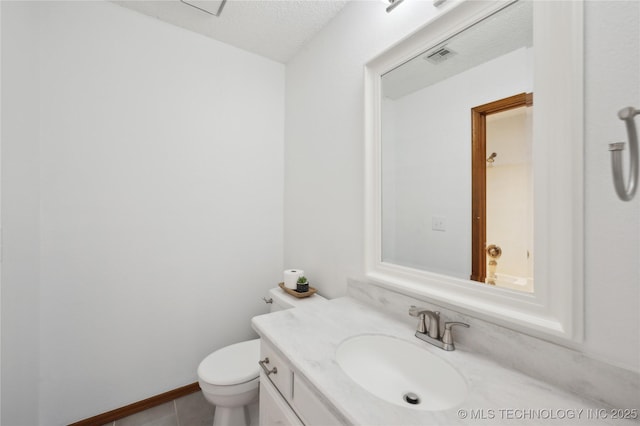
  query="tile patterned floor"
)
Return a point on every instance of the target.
[{"x": 190, "y": 410}]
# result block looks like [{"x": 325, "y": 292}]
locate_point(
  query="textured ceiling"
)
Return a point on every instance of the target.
[
  {"x": 276, "y": 29},
  {"x": 497, "y": 35}
]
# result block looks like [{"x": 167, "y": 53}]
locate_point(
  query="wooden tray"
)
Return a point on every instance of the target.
[{"x": 294, "y": 293}]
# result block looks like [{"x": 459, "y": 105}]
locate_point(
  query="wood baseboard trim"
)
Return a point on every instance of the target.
[{"x": 136, "y": 407}]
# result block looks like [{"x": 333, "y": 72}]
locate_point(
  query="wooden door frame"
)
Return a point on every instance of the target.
[{"x": 479, "y": 177}]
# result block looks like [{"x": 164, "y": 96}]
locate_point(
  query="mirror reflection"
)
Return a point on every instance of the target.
[{"x": 456, "y": 155}]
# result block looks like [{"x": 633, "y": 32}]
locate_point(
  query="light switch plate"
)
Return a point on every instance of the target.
[{"x": 438, "y": 223}]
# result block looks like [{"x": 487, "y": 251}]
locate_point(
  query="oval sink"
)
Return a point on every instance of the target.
[{"x": 401, "y": 373}]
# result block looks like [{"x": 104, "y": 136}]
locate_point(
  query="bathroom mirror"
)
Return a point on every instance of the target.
[
  {"x": 449, "y": 115},
  {"x": 421, "y": 96}
]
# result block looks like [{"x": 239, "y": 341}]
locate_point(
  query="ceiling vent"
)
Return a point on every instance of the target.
[{"x": 439, "y": 55}]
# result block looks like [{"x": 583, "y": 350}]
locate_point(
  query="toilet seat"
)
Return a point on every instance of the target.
[
  {"x": 229, "y": 390},
  {"x": 232, "y": 365}
]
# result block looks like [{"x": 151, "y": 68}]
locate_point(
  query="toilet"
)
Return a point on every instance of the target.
[{"x": 229, "y": 377}]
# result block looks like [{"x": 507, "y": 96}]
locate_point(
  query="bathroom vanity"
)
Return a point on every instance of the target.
[
  {"x": 311, "y": 388},
  {"x": 285, "y": 396}
]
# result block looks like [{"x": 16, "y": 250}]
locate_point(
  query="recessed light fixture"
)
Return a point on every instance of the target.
[{"x": 212, "y": 7}]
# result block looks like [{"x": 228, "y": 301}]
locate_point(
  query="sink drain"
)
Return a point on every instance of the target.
[{"x": 411, "y": 398}]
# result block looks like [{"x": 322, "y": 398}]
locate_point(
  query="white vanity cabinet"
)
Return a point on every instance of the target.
[
  {"x": 285, "y": 398},
  {"x": 274, "y": 410}
]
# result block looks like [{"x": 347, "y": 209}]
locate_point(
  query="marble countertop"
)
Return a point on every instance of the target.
[{"x": 308, "y": 338}]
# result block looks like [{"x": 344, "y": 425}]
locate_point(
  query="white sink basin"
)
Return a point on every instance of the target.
[{"x": 398, "y": 371}]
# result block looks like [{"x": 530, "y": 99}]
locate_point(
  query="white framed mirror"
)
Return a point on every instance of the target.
[{"x": 420, "y": 236}]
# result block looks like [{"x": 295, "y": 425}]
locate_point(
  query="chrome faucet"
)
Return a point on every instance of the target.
[
  {"x": 430, "y": 332},
  {"x": 433, "y": 329}
]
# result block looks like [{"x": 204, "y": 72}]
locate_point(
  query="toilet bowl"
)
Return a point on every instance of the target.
[
  {"x": 229, "y": 380},
  {"x": 229, "y": 377}
]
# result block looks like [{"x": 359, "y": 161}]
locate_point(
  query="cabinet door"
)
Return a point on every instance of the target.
[
  {"x": 309, "y": 408},
  {"x": 274, "y": 411},
  {"x": 282, "y": 380}
]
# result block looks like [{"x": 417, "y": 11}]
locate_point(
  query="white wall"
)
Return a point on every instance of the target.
[
  {"x": 159, "y": 180},
  {"x": 431, "y": 140},
  {"x": 20, "y": 207},
  {"x": 612, "y": 235},
  {"x": 324, "y": 159},
  {"x": 323, "y": 206},
  {"x": 0, "y": 215}
]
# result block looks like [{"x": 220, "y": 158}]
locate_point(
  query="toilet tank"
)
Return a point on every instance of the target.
[{"x": 282, "y": 300}]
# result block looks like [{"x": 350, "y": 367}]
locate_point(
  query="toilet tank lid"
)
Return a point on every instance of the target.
[
  {"x": 286, "y": 301},
  {"x": 231, "y": 365}
]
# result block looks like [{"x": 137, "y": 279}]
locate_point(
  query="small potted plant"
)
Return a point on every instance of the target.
[{"x": 302, "y": 286}]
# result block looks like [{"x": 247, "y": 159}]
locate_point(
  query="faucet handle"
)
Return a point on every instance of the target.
[
  {"x": 447, "y": 337},
  {"x": 449, "y": 325},
  {"x": 414, "y": 311}
]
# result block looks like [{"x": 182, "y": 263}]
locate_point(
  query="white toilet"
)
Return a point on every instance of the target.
[{"x": 229, "y": 377}]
